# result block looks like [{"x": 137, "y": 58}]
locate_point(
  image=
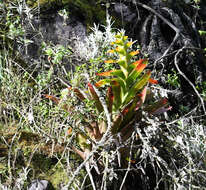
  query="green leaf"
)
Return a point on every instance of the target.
[
  {"x": 202, "y": 32},
  {"x": 116, "y": 89},
  {"x": 136, "y": 87},
  {"x": 117, "y": 73},
  {"x": 103, "y": 82},
  {"x": 136, "y": 71}
]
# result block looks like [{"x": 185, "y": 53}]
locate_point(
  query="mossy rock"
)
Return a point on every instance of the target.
[{"x": 88, "y": 10}]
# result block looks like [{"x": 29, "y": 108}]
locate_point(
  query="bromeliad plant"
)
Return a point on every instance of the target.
[{"x": 125, "y": 96}]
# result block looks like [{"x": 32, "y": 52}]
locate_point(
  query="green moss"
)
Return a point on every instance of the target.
[
  {"x": 57, "y": 176},
  {"x": 88, "y": 9}
]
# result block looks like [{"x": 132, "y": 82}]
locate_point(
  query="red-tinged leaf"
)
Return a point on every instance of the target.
[
  {"x": 139, "y": 68},
  {"x": 95, "y": 97},
  {"x": 102, "y": 82},
  {"x": 158, "y": 107},
  {"x": 136, "y": 63},
  {"x": 164, "y": 101},
  {"x": 78, "y": 93},
  {"x": 153, "y": 81},
  {"x": 105, "y": 74},
  {"x": 53, "y": 98},
  {"x": 128, "y": 113},
  {"x": 136, "y": 72},
  {"x": 110, "y": 99},
  {"x": 161, "y": 110},
  {"x": 117, "y": 73},
  {"x": 142, "y": 96},
  {"x": 125, "y": 111}
]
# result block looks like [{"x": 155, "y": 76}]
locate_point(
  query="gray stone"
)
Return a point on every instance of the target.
[
  {"x": 40, "y": 185},
  {"x": 54, "y": 29}
]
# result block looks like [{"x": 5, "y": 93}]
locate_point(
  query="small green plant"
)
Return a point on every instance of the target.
[
  {"x": 173, "y": 79},
  {"x": 124, "y": 99},
  {"x": 55, "y": 54}
]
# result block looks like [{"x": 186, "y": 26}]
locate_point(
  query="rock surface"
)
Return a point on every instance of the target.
[{"x": 40, "y": 185}]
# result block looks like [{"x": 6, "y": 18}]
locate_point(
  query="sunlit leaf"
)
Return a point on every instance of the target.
[
  {"x": 137, "y": 87},
  {"x": 102, "y": 82},
  {"x": 129, "y": 44},
  {"x": 133, "y": 53},
  {"x": 111, "y": 51},
  {"x": 136, "y": 72},
  {"x": 110, "y": 61},
  {"x": 117, "y": 73}
]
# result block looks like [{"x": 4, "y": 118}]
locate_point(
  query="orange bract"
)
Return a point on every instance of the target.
[
  {"x": 99, "y": 83},
  {"x": 140, "y": 67},
  {"x": 109, "y": 61},
  {"x": 107, "y": 73},
  {"x": 133, "y": 53},
  {"x": 139, "y": 62},
  {"x": 129, "y": 44},
  {"x": 153, "y": 81},
  {"x": 110, "y": 51}
]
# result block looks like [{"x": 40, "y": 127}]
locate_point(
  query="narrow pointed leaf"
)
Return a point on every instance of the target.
[
  {"x": 110, "y": 61},
  {"x": 137, "y": 87},
  {"x": 105, "y": 74},
  {"x": 95, "y": 97},
  {"x": 116, "y": 123},
  {"x": 117, "y": 73},
  {"x": 157, "y": 106},
  {"x": 133, "y": 53},
  {"x": 103, "y": 82},
  {"x": 116, "y": 89},
  {"x": 129, "y": 44},
  {"x": 136, "y": 63},
  {"x": 78, "y": 93},
  {"x": 110, "y": 99},
  {"x": 136, "y": 72},
  {"x": 53, "y": 98},
  {"x": 142, "y": 96},
  {"x": 153, "y": 81}
]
